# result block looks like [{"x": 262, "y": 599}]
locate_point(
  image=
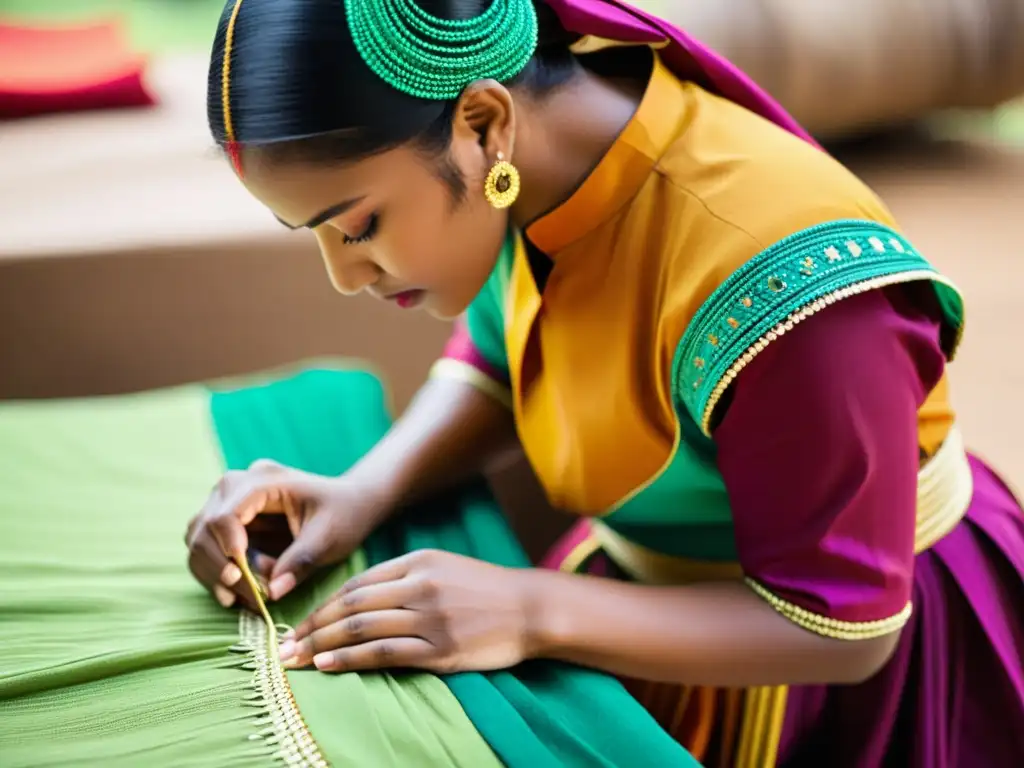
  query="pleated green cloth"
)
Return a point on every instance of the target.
[{"x": 111, "y": 655}]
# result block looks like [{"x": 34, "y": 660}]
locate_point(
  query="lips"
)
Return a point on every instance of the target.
[{"x": 408, "y": 299}]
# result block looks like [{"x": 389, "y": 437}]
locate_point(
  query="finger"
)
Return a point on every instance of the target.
[
  {"x": 206, "y": 561},
  {"x": 190, "y": 530},
  {"x": 376, "y": 597},
  {"x": 353, "y": 630},
  {"x": 315, "y": 545},
  {"x": 267, "y": 466},
  {"x": 262, "y": 564},
  {"x": 293, "y": 513},
  {"x": 379, "y": 654},
  {"x": 228, "y": 527},
  {"x": 206, "y": 572},
  {"x": 389, "y": 570},
  {"x": 217, "y": 573},
  {"x": 224, "y": 596},
  {"x": 213, "y": 501}
]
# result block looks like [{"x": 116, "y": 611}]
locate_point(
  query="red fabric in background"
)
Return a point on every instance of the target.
[{"x": 66, "y": 69}]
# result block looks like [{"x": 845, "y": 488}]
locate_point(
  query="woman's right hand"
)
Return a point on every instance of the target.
[{"x": 328, "y": 518}]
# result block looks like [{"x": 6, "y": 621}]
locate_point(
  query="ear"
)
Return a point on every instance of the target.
[{"x": 486, "y": 111}]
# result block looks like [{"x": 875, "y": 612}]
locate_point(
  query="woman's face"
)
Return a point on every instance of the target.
[{"x": 389, "y": 225}]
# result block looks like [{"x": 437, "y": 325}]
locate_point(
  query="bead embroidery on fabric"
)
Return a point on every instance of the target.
[{"x": 782, "y": 286}]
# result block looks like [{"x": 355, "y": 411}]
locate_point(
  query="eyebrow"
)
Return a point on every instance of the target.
[{"x": 324, "y": 215}]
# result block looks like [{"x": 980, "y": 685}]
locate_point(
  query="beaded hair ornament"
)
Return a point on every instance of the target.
[
  {"x": 427, "y": 57},
  {"x": 422, "y": 55}
]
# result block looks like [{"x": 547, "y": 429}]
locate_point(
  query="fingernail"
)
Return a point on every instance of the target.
[
  {"x": 324, "y": 661},
  {"x": 289, "y": 635},
  {"x": 224, "y": 595},
  {"x": 231, "y": 575},
  {"x": 281, "y": 586},
  {"x": 287, "y": 650}
]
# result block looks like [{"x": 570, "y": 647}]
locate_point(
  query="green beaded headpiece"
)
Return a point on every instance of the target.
[{"x": 433, "y": 58}]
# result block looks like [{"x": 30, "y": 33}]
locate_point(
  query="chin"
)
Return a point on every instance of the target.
[
  {"x": 439, "y": 314},
  {"x": 442, "y": 309}
]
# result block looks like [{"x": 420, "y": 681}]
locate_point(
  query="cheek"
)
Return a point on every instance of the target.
[
  {"x": 450, "y": 248},
  {"x": 474, "y": 236}
]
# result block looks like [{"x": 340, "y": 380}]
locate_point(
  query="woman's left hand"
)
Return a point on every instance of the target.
[{"x": 429, "y": 610}]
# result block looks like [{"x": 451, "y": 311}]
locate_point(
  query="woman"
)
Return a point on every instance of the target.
[{"x": 711, "y": 342}]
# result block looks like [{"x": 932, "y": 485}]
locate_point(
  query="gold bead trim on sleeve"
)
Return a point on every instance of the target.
[{"x": 828, "y": 627}]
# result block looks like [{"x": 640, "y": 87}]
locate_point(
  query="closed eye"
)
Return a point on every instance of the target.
[{"x": 368, "y": 232}]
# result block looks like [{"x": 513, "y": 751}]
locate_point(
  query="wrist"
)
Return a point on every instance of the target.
[
  {"x": 547, "y": 615},
  {"x": 375, "y": 492}
]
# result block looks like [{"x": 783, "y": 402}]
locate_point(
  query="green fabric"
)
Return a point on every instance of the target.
[
  {"x": 485, "y": 317},
  {"x": 789, "y": 276},
  {"x": 113, "y": 656},
  {"x": 538, "y": 715},
  {"x": 322, "y": 421},
  {"x": 110, "y": 654},
  {"x": 685, "y": 510},
  {"x": 434, "y": 58}
]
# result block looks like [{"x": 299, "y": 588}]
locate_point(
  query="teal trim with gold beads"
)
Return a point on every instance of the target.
[{"x": 782, "y": 286}]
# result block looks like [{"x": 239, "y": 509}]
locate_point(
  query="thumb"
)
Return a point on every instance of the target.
[{"x": 310, "y": 549}]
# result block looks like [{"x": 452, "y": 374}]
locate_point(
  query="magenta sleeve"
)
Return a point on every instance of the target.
[{"x": 819, "y": 453}]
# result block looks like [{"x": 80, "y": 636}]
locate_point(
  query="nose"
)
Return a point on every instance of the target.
[{"x": 349, "y": 272}]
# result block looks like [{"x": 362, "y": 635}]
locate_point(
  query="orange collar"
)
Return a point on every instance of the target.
[{"x": 657, "y": 122}]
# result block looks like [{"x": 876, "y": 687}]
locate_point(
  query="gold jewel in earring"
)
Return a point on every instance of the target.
[{"x": 501, "y": 187}]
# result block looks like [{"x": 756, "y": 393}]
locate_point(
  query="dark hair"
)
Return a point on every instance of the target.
[{"x": 300, "y": 91}]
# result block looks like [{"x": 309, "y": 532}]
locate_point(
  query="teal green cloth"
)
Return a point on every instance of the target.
[{"x": 537, "y": 715}]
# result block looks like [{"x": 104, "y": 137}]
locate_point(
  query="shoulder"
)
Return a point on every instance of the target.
[
  {"x": 767, "y": 232},
  {"x": 735, "y": 168},
  {"x": 731, "y": 186}
]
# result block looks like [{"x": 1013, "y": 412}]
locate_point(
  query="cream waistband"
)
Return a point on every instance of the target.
[
  {"x": 945, "y": 487},
  {"x": 944, "y": 490}
]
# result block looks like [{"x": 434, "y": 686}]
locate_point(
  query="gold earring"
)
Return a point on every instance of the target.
[{"x": 501, "y": 187}]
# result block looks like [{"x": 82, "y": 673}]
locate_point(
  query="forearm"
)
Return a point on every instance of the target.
[
  {"x": 719, "y": 635},
  {"x": 449, "y": 432}
]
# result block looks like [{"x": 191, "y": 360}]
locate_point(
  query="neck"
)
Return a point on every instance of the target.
[{"x": 564, "y": 135}]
